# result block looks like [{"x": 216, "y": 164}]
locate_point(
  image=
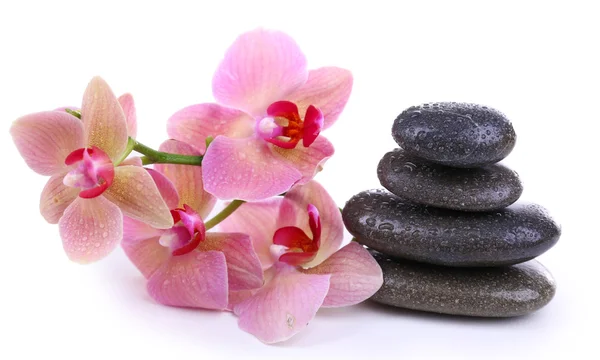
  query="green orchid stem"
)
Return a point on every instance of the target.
[
  {"x": 229, "y": 209},
  {"x": 130, "y": 145},
  {"x": 158, "y": 157}
]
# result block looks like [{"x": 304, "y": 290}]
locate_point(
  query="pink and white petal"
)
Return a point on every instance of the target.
[
  {"x": 327, "y": 88},
  {"x": 245, "y": 169},
  {"x": 166, "y": 188},
  {"x": 308, "y": 160},
  {"x": 195, "y": 123},
  {"x": 46, "y": 138},
  {"x": 55, "y": 198},
  {"x": 90, "y": 229},
  {"x": 236, "y": 297},
  {"x": 257, "y": 220},
  {"x": 293, "y": 213},
  {"x": 64, "y": 108},
  {"x": 147, "y": 255},
  {"x": 260, "y": 67},
  {"x": 284, "y": 306},
  {"x": 133, "y": 160},
  {"x": 355, "y": 275},
  {"x": 244, "y": 270},
  {"x": 103, "y": 119},
  {"x": 135, "y": 230},
  {"x": 197, "y": 279},
  {"x": 128, "y": 106},
  {"x": 187, "y": 179},
  {"x": 136, "y": 194}
]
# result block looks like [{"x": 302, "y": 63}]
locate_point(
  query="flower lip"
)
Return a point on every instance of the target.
[
  {"x": 301, "y": 248},
  {"x": 187, "y": 233},
  {"x": 284, "y": 128},
  {"x": 93, "y": 171}
]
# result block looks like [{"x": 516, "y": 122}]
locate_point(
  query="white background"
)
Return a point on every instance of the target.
[{"x": 536, "y": 62}]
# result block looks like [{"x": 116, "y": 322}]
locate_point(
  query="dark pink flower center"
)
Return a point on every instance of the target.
[
  {"x": 187, "y": 233},
  {"x": 301, "y": 248},
  {"x": 93, "y": 171},
  {"x": 284, "y": 128}
]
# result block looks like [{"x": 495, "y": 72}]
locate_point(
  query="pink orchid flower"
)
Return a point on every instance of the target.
[
  {"x": 186, "y": 265},
  {"x": 86, "y": 192},
  {"x": 302, "y": 272},
  {"x": 268, "y": 119}
]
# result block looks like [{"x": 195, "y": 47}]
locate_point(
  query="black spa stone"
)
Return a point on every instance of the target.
[
  {"x": 487, "y": 188},
  {"x": 455, "y": 134},
  {"x": 386, "y": 223},
  {"x": 486, "y": 292}
]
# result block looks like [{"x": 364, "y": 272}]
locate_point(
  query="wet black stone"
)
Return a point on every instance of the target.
[
  {"x": 488, "y": 292},
  {"x": 455, "y": 134},
  {"x": 386, "y": 223},
  {"x": 491, "y": 187}
]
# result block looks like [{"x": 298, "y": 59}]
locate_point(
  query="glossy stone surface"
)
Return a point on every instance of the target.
[
  {"x": 491, "y": 187},
  {"x": 488, "y": 292},
  {"x": 386, "y": 223},
  {"x": 455, "y": 134}
]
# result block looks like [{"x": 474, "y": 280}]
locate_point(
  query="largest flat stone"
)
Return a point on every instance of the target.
[
  {"x": 384, "y": 222},
  {"x": 489, "y": 292},
  {"x": 455, "y": 134}
]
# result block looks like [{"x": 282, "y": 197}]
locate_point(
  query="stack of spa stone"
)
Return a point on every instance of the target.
[{"x": 447, "y": 234}]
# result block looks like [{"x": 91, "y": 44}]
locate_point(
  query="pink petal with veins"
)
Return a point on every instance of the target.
[
  {"x": 166, "y": 188},
  {"x": 45, "y": 139},
  {"x": 187, "y": 179},
  {"x": 136, "y": 194},
  {"x": 328, "y": 89},
  {"x": 195, "y": 123},
  {"x": 258, "y": 220},
  {"x": 259, "y": 68},
  {"x": 197, "y": 279},
  {"x": 103, "y": 119},
  {"x": 128, "y": 106},
  {"x": 308, "y": 160},
  {"x": 293, "y": 213},
  {"x": 355, "y": 275},
  {"x": 147, "y": 255},
  {"x": 245, "y": 169},
  {"x": 55, "y": 198},
  {"x": 90, "y": 229},
  {"x": 284, "y": 305},
  {"x": 244, "y": 270}
]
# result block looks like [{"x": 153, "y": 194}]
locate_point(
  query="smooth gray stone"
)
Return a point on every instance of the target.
[
  {"x": 455, "y": 134},
  {"x": 491, "y": 187},
  {"x": 489, "y": 292},
  {"x": 386, "y": 223}
]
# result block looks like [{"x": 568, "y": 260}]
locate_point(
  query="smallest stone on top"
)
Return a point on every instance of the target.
[{"x": 455, "y": 134}]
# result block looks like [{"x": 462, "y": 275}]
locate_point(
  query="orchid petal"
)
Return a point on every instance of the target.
[
  {"x": 134, "y": 191},
  {"x": 133, "y": 160},
  {"x": 46, "y": 138},
  {"x": 244, "y": 270},
  {"x": 195, "y": 123},
  {"x": 166, "y": 188},
  {"x": 135, "y": 230},
  {"x": 187, "y": 179},
  {"x": 147, "y": 255},
  {"x": 56, "y": 197},
  {"x": 245, "y": 169},
  {"x": 328, "y": 89},
  {"x": 293, "y": 213},
  {"x": 197, "y": 279},
  {"x": 258, "y": 220},
  {"x": 308, "y": 160},
  {"x": 284, "y": 305},
  {"x": 128, "y": 106},
  {"x": 261, "y": 67},
  {"x": 103, "y": 119},
  {"x": 355, "y": 275},
  {"x": 313, "y": 124},
  {"x": 90, "y": 229},
  {"x": 236, "y": 297}
]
